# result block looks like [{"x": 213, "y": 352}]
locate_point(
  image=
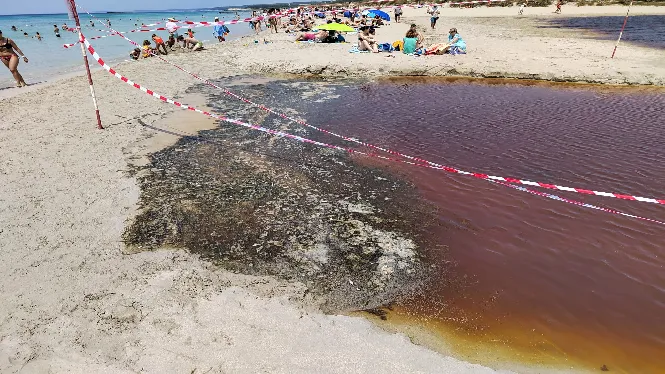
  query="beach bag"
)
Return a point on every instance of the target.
[
  {"x": 386, "y": 47},
  {"x": 398, "y": 45}
]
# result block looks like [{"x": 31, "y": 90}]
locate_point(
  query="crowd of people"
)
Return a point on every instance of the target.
[{"x": 302, "y": 22}]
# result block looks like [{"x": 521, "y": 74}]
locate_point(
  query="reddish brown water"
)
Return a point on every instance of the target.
[{"x": 534, "y": 279}]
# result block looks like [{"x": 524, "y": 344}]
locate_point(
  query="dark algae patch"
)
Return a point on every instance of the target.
[{"x": 259, "y": 204}]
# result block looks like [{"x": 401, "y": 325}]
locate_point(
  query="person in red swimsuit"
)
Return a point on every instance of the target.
[{"x": 9, "y": 53}]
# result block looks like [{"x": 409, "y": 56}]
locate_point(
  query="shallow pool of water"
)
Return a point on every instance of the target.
[{"x": 538, "y": 280}]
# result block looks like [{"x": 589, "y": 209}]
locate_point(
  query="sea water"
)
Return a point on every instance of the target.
[{"x": 48, "y": 58}]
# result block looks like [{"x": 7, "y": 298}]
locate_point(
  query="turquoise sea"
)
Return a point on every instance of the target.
[{"x": 48, "y": 59}]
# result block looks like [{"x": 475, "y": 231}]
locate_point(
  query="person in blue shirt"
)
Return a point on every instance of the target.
[
  {"x": 456, "y": 44},
  {"x": 218, "y": 31}
]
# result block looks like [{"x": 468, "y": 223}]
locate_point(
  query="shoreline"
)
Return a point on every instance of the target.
[
  {"x": 108, "y": 300},
  {"x": 619, "y": 72}
]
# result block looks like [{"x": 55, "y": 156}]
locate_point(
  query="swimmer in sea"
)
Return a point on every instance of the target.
[
  {"x": 9, "y": 54},
  {"x": 56, "y": 30}
]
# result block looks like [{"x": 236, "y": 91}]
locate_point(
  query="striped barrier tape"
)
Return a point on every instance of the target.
[
  {"x": 413, "y": 158},
  {"x": 111, "y": 71},
  {"x": 477, "y": 2},
  {"x": 578, "y": 203},
  {"x": 96, "y": 37},
  {"x": 196, "y": 24}
]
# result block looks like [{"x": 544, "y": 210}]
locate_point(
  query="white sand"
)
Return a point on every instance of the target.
[{"x": 72, "y": 301}]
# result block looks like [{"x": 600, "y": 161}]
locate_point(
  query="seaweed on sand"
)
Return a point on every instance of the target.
[{"x": 263, "y": 205}]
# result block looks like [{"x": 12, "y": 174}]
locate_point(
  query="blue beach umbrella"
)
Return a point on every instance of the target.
[
  {"x": 380, "y": 13},
  {"x": 371, "y": 15}
]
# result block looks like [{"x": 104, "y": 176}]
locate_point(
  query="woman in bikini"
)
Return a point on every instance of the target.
[{"x": 9, "y": 54}]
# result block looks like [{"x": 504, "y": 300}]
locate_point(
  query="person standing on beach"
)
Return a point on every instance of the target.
[
  {"x": 434, "y": 12},
  {"x": 522, "y": 8},
  {"x": 398, "y": 13},
  {"x": 9, "y": 54},
  {"x": 558, "y": 7},
  {"x": 218, "y": 30},
  {"x": 172, "y": 27},
  {"x": 159, "y": 44}
]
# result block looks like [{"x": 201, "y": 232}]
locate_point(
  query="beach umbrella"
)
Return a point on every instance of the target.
[
  {"x": 381, "y": 14},
  {"x": 337, "y": 27},
  {"x": 365, "y": 12},
  {"x": 370, "y": 15}
]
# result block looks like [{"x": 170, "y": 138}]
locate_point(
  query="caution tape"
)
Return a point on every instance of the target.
[
  {"x": 578, "y": 203},
  {"x": 96, "y": 37},
  {"x": 477, "y": 2},
  {"x": 413, "y": 158},
  {"x": 106, "y": 67}
]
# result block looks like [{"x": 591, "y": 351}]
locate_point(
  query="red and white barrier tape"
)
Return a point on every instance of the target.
[
  {"x": 477, "y": 2},
  {"x": 413, "y": 158},
  {"x": 578, "y": 203},
  {"x": 96, "y": 37},
  {"x": 309, "y": 141}
]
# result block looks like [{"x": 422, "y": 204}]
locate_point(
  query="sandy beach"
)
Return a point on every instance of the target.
[{"x": 76, "y": 300}]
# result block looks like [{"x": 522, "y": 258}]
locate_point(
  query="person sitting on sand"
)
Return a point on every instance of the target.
[
  {"x": 419, "y": 36},
  {"x": 159, "y": 43},
  {"x": 171, "y": 42},
  {"x": 135, "y": 54},
  {"x": 9, "y": 53},
  {"x": 456, "y": 44},
  {"x": 147, "y": 49},
  {"x": 410, "y": 42},
  {"x": 366, "y": 41},
  {"x": 377, "y": 21}
]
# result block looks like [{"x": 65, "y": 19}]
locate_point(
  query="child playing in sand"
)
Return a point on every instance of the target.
[
  {"x": 147, "y": 49},
  {"x": 135, "y": 54},
  {"x": 159, "y": 43}
]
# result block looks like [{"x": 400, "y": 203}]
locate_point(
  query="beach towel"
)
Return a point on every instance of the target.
[
  {"x": 398, "y": 45},
  {"x": 356, "y": 50},
  {"x": 455, "y": 50}
]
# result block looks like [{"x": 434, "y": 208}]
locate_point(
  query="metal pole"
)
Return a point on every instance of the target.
[
  {"x": 625, "y": 20},
  {"x": 75, "y": 15}
]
